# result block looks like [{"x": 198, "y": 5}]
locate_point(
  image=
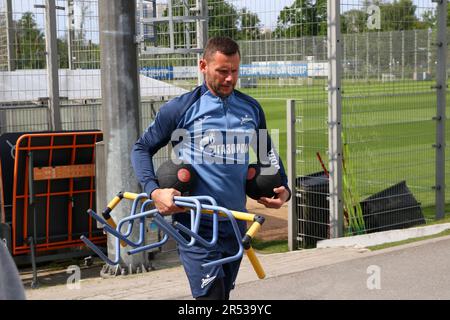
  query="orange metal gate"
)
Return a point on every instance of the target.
[{"x": 54, "y": 181}]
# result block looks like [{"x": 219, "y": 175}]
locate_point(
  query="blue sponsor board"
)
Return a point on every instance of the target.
[
  {"x": 274, "y": 70},
  {"x": 160, "y": 73}
]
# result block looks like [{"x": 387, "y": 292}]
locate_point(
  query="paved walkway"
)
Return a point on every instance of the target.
[
  {"x": 416, "y": 271},
  {"x": 170, "y": 282}
]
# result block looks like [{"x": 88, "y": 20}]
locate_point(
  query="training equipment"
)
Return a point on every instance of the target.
[
  {"x": 197, "y": 206},
  {"x": 261, "y": 180},
  {"x": 178, "y": 176}
]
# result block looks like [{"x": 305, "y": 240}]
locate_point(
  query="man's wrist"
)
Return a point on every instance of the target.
[{"x": 154, "y": 193}]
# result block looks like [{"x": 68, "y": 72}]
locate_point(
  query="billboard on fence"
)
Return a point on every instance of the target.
[
  {"x": 160, "y": 73},
  {"x": 269, "y": 69},
  {"x": 274, "y": 70}
]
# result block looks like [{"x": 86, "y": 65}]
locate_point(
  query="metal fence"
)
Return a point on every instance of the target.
[
  {"x": 386, "y": 128},
  {"x": 389, "y": 70},
  {"x": 34, "y": 118}
]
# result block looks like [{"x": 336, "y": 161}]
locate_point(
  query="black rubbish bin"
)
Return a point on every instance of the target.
[{"x": 313, "y": 211}]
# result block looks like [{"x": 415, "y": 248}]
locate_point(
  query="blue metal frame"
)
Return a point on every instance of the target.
[{"x": 193, "y": 204}]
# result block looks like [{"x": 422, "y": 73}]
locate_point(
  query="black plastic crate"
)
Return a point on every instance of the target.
[
  {"x": 392, "y": 208},
  {"x": 389, "y": 209}
]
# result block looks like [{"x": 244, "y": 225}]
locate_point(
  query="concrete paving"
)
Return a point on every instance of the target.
[
  {"x": 170, "y": 282},
  {"x": 419, "y": 270},
  {"x": 416, "y": 271}
]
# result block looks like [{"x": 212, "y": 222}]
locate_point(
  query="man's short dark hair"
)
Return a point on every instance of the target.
[{"x": 224, "y": 45}]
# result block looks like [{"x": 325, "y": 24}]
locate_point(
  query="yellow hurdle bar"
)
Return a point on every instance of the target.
[
  {"x": 255, "y": 263},
  {"x": 114, "y": 202},
  {"x": 237, "y": 214},
  {"x": 106, "y": 213},
  {"x": 254, "y": 228},
  {"x": 130, "y": 195}
]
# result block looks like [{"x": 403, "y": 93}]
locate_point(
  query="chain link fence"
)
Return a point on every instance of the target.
[
  {"x": 389, "y": 133},
  {"x": 388, "y": 95}
]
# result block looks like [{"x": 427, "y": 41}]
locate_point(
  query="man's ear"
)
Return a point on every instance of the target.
[{"x": 203, "y": 65}]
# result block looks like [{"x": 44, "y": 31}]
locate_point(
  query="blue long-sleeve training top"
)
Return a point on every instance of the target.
[{"x": 214, "y": 135}]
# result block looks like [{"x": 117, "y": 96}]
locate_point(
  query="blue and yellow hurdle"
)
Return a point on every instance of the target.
[{"x": 196, "y": 206}]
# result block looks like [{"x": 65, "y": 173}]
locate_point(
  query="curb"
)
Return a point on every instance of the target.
[{"x": 373, "y": 239}]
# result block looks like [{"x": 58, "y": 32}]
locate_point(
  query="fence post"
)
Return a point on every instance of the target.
[
  {"x": 52, "y": 66},
  {"x": 334, "y": 119},
  {"x": 292, "y": 174},
  {"x": 120, "y": 104},
  {"x": 202, "y": 33},
  {"x": 70, "y": 31},
  {"x": 441, "y": 90},
  {"x": 10, "y": 37}
]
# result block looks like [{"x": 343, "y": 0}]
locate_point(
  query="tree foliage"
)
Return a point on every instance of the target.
[
  {"x": 394, "y": 16},
  {"x": 302, "y": 18},
  {"x": 30, "y": 48},
  {"x": 250, "y": 25},
  {"x": 224, "y": 19},
  {"x": 429, "y": 18},
  {"x": 354, "y": 21},
  {"x": 29, "y": 43},
  {"x": 398, "y": 15}
]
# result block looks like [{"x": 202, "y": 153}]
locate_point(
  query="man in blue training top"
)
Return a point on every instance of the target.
[{"x": 211, "y": 128}]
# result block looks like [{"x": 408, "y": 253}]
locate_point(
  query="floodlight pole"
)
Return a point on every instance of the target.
[
  {"x": 334, "y": 119},
  {"x": 120, "y": 104},
  {"x": 441, "y": 91}
]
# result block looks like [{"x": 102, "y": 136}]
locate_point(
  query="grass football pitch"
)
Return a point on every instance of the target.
[{"x": 388, "y": 127}]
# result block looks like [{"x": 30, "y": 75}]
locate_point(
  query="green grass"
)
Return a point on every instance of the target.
[
  {"x": 388, "y": 128},
  {"x": 398, "y": 243},
  {"x": 273, "y": 246}
]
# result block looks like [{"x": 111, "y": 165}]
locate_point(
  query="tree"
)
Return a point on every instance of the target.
[
  {"x": 399, "y": 15},
  {"x": 302, "y": 18},
  {"x": 429, "y": 19},
  {"x": 63, "y": 54},
  {"x": 354, "y": 21},
  {"x": 85, "y": 11},
  {"x": 223, "y": 19},
  {"x": 3, "y": 44},
  {"x": 395, "y": 16},
  {"x": 250, "y": 25},
  {"x": 29, "y": 43}
]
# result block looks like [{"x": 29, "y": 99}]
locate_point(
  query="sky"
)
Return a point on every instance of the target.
[{"x": 267, "y": 10}]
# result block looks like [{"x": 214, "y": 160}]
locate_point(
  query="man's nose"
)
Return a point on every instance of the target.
[{"x": 229, "y": 77}]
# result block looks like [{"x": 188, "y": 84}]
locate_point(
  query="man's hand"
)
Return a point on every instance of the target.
[
  {"x": 281, "y": 195},
  {"x": 163, "y": 200}
]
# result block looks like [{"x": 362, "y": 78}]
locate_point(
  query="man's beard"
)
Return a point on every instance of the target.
[{"x": 216, "y": 89}]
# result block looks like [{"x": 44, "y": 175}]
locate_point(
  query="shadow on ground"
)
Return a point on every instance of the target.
[
  {"x": 54, "y": 274},
  {"x": 57, "y": 272}
]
